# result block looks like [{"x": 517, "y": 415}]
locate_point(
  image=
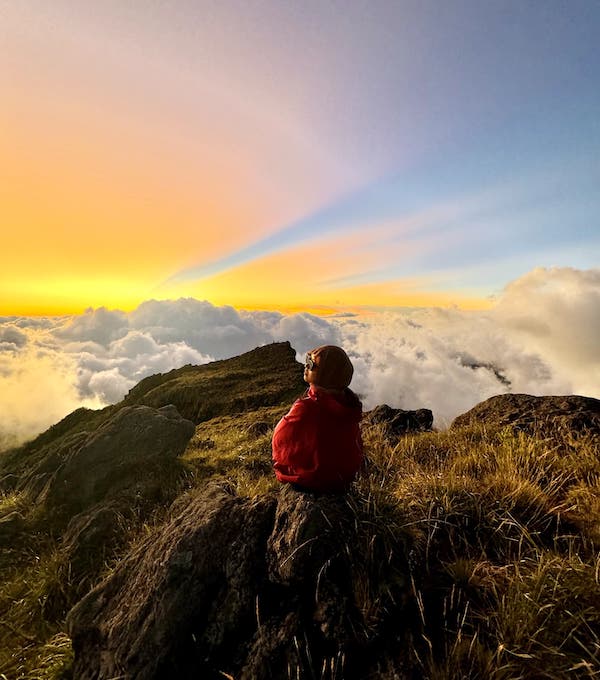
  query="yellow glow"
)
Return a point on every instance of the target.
[
  {"x": 298, "y": 280},
  {"x": 69, "y": 296},
  {"x": 83, "y": 207}
]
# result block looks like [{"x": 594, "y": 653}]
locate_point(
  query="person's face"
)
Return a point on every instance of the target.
[{"x": 310, "y": 369}]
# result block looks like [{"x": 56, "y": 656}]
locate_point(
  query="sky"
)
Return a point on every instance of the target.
[
  {"x": 183, "y": 181},
  {"x": 294, "y": 156}
]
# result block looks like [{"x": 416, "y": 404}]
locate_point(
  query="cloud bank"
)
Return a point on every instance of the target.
[{"x": 541, "y": 338}]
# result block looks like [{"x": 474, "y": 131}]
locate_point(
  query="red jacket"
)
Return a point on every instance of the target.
[{"x": 318, "y": 444}]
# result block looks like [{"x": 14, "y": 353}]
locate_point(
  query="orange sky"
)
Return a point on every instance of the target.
[{"x": 289, "y": 160}]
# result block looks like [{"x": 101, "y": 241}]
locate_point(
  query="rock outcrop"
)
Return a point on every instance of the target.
[
  {"x": 185, "y": 595},
  {"x": 232, "y": 587},
  {"x": 536, "y": 414},
  {"x": 119, "y": 456},
  {"x": 85, "y": 487},
  {"x": 397, "y": 421},
  {"x": 122, "y": 457}
]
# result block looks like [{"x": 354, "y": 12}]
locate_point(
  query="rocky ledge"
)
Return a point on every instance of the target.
[
  {"x": 536, "y": 415},
  {"x": 233, "y": 587}
]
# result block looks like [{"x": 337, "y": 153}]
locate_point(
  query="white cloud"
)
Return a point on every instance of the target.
[
  {"x": 109, "y": 385},
  {"x": 540, "y": 338},
  {"x": 11, "y": 335},
  {"x": 216, "y": 331},
  {"x": 101, "y": 325},
  {"x": 304, "y": 331},
  {"x": 36, "y": 390},
  {"x": 555, "y": 313},
  {"x": 445, "y": 360}
]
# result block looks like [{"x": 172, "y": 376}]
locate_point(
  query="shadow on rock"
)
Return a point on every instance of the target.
[{"x": 132, "y": 456}]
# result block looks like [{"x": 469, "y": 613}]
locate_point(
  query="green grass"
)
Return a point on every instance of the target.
[
  {"x": 479, "y": 545},
  {"x": 237, "y": 448}
]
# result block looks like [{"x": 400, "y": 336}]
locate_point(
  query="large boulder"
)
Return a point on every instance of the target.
[
  {"x": 186, "y": 598},
  {"x": 251, "y": 589},
  {"x": 397, "y": 421},
  {"x": 125, "y": 455},
  {"x": 531, "y": 414}
]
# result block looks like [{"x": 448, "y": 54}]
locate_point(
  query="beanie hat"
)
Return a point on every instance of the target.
[{"x": 334, "y": 368}]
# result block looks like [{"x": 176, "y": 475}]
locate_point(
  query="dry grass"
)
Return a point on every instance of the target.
[
  {"x": 34, "y": 600},
  {"x": 505, "y": 563},
  {"x": 12, "y": 501}
]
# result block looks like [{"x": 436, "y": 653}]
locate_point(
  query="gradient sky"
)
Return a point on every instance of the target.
[{"x": 294, "y": 155}]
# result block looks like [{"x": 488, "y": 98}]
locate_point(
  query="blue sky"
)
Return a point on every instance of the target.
[{"x": 491, "y": 107}]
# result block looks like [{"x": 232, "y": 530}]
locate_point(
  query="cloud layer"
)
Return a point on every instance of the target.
[{"x": 540, "y": 338}]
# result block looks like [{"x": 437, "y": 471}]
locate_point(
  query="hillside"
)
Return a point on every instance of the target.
[{"x": 151, "y": 540}]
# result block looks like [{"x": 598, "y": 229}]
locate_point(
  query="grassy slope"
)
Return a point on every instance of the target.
[
  {"x": 508, "y": 528},
  {"x": 267, "y": 375},
  {"x": 36, "y": 584}
]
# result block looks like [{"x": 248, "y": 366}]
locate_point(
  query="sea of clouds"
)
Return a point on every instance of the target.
[{"x": 541, "y": 337}]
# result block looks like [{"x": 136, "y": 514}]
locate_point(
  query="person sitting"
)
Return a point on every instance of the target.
[{"x": 317, "y": 446}]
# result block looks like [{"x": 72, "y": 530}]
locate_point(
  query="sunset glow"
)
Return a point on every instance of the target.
[{"x": 412, "y": 155}]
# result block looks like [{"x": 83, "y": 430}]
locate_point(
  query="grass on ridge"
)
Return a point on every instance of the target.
[{"x": 237, "y": 448}]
